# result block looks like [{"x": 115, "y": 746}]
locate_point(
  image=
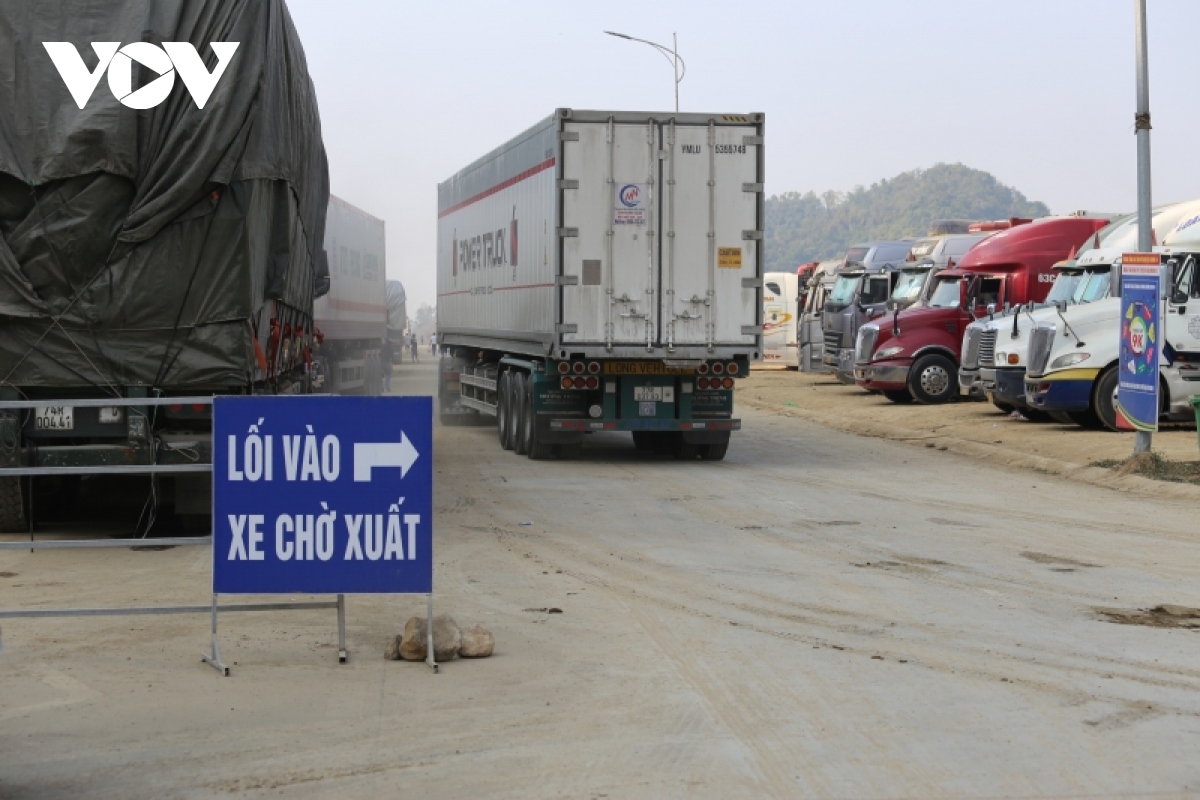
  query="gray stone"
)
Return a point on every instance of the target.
[
  {"x": 477, "y": 642},
  {"x": 447, "y": 637}
]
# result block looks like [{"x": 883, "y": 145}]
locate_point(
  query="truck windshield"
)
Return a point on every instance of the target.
[
  {"x": 946, "y": 293},
  {"x": 1064, "y": 288},
  {"x": 908, "y": 285},
  {"x": 1092, "y": 287},
  {"x": 843, "y": 290}
]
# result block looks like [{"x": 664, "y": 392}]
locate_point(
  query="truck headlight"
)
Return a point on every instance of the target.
[
  {"x": 888, "y": 352},
  {"x": 1070, "y": 359}
]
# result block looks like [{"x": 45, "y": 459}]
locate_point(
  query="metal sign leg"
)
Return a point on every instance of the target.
[
  {"x": 341, "y": 603},
  {"x": 429, "y": 657},
  {"x": 214, "y": 660}
]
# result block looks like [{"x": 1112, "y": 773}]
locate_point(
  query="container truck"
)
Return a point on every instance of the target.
[
  {"x": 860, "y": 294},
  {"x": 781, "y": 293},
  {"x": 397, "y": 312},
  {"x": 914, "y": 354},
  {"x": 603, "y": 271},
  {"x": 351, "y": 320},
  {"x": 809, "y": 336},
  {"x": 172, "y": 251},
  {"x": 1074, "y": 360},
  {"x": 995, "y": 353}
]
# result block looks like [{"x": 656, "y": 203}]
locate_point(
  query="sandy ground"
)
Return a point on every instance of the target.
[
  {"x": 821, "y": 615},
  {"x": 973, "y": 428}
]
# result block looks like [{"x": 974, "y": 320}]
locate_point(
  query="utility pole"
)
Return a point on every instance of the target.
[{"x": 1141, "y": 126}]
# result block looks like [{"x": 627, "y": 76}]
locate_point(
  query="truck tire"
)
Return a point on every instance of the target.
[
  {"x": 685, "y": 451},
  {"x": 933, "y": 379},
  {"x": 535, "y": 448},
  {"x": 900, "y": 396},
  {"x": 517, "y": 416},
  {"x": 568, "y": 452},
  {"x": 503, "y": 423},
  {"x": 12, "y": 506},
  {"x": 1102, "y": 399},
  {"x": 714, "y": 452}
]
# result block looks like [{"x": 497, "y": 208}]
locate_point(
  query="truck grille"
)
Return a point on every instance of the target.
[
  {"x": 833, "y": 341},
  {"x": 864, "y": 348},
  {"x": 1040, "y": 342},
  {"x": 970, "y": 358},
  {"x": 987, "y": 348}
]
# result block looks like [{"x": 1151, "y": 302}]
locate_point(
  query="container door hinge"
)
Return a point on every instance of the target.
[
  {"x": 752, "y": 140},
  {"x": 751, "y": 330},
  {"x": 752, "y": 234},
  {"x": 751, "y": 283},
  {"x": 566, "y": 327},
  {"x": 567, "y": 280},
  {"x": 752, "y": 187},
  {"x": 571, "y": 183},
  {"x": 568, "y": 232},
  {"x": 569, "y": 136}
]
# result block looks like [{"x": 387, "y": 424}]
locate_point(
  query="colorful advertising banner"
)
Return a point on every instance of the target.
[{"x": 1137, "y": 392}]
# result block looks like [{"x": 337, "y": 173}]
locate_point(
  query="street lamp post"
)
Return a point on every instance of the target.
[
  {"x": 669, "y": 53},
  {"x": 1142, "y": 129}
]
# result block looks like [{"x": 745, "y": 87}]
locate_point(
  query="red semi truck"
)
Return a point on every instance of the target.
[{"x": 914, "y": 354}]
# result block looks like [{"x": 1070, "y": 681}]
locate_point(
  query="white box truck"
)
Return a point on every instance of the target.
[
  {"x": 351, "y": 320},
  {"x": 603, "y": 271},
  {"x": 781, "y": 294}
]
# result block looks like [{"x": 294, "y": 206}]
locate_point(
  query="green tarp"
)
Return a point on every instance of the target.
[{"x": 147, "y": 247}]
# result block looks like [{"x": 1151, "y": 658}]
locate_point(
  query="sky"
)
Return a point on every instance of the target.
[{"x": 1040, "y": 93}]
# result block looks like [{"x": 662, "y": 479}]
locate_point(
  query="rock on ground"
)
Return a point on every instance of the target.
[
  {"x": 412, "y": 641},
  {"x": 477, "y": 642},
  {"x": 392, "y": 651},
  {"x": 447, "y": 637}
]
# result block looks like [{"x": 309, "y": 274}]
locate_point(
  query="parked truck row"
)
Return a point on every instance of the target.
[{"x": 1023, "y": 313}]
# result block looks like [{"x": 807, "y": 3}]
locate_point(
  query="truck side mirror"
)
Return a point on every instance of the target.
[{"x": 991, "y": 309}]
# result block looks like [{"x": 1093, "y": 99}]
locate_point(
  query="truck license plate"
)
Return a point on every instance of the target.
[
  {"x": 54, "y": 418},
  {"x": 648, "y": 394},
  {"x": 646, "y": 409}
]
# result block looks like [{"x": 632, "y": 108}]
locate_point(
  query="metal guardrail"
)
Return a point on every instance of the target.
[
  {"x": 89, "y": 544},
  {"x": 107, "y": 402}
]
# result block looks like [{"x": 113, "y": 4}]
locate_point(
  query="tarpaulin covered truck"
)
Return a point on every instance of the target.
[
  {"x": 154, "y": 244},
  {"x": 602, "y": 271}
]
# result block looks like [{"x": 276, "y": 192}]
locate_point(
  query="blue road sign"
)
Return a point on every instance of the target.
[
  {"x": 323, "y": 495},
  {"x": 1141, "y": 343}
]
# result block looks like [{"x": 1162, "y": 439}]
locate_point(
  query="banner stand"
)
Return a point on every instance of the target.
[
  {"x": 213, "y": 659},
  {"x": 429, "y": 657}
]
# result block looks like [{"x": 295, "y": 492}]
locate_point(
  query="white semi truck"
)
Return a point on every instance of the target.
[
  {"x": 351, "y": 320},
  {"x": 603, "y": 271},
  {"x": 781, "y": 293},
  {"x": 1073, "y": 363}
]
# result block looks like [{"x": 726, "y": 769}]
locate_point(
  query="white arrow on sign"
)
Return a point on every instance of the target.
[{"x": 368, "y": 455}]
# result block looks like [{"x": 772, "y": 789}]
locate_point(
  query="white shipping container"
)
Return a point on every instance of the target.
[
  {"x": 355, "y": 307},
  {"x": 601, "y": 233}
]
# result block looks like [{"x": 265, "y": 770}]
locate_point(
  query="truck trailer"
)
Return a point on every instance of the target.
[
  {"x": 603, "y": 271},
  {"x": 351, "y": 320},
  {"x": 161, "y": 253},
  {"x": 781, "y": 296}
]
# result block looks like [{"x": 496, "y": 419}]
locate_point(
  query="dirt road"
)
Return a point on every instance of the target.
[{"x": 821, "y": 615}]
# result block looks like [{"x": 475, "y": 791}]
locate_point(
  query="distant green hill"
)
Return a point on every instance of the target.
[{"x": 811, "y": 227}]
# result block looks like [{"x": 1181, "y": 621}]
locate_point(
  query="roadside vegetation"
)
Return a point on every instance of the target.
[{"x": 1156, "y": 467}]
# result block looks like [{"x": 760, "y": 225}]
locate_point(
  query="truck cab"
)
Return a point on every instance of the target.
[
  {"x": 809, "y": 336},
  {"x": 1074, "y": 359},
  {"x": 995, "y": 353},
  {"x": 915, "y": 354},
  {"x": 861, "y": 292},
  {"x": 781, "y": 291},
  {"x": 927, "y": 258}
]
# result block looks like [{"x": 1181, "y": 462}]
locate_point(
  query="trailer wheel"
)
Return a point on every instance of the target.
[
  {"x": 503, "y": 423},
  {"x": 685, "y": 451},
  {"x": 519, "y": 412},
  {"x": 535, "y": 448},
  {"x": 12, "y": 506},
  {"x": 933, "y": 379},
  {"x": 568, "y": 452},
  {"x": 900, "y": 396},
  {"x": 714, "y": 452}
]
